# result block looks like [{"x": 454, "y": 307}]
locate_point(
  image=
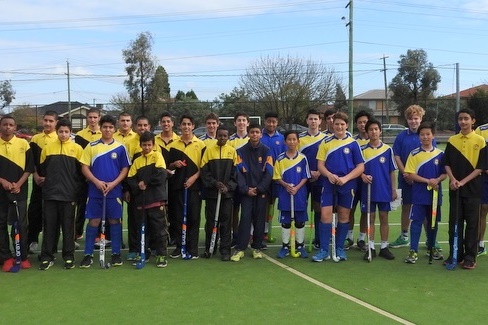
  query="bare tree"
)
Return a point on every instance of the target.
[
  {"x": 290, "y": 86},
  {"x": 7, "y": 93}
]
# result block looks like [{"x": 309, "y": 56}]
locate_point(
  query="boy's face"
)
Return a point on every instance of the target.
[
  {"x": 414, "y": 122},
  {"x": 93, "y": 119},
  {"x": 340, "y": 128},
  {"x": 465, "y": 121},
  {"x": 222, "y": 137},
  {"x": 426, "y": 136},
  {"x": 186, "y": 126},
  {"x": 64, "y": 133},
  {"x": 361, "y": 124},
  {"x": 241, "y": 123},
  {"x": 211, "y": 126},
  {"x": 147, "y": 147},
  {"x": 374, "y": 132},
  {"x": 270, "y": 124},
  {"x": 108, "y": 130},
  {"x": 314, "y": 121},
  {"x": 125, "y": 123},
  {"x": 254, "y": 135},
  {"x": 48, "y": 123},
  {"x": 166, "y": 124},
  {"x": 8, "y": 127},
  {"x": 330, "y": 121},
  {"x": 143, "y": 126},
  {"x": 292, "y": 141}
]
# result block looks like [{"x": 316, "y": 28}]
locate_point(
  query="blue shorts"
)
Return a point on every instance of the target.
[
  {"x": 300, "y": 216},
  {"x": 94, "y": 208},
  {"x": 382, "y": 206},
  {"x": 420, "y": 212},
  {"x": 345, "y": 196},
  {"x": 406, "y": 192}
]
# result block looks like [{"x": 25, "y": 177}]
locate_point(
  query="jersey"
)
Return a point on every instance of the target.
[
  {"x": 427, "y": 164},
  {"x": 191, "y": 153},
  {"x": 208, "y": 140},
  {"x": 275, "y": 143},
  {"x": 237, "y": 142},
  {"x": 163, "y": 146},
  {"x": 309, "y": 146},
  {"x": 85, "y": 136},
  {"x": 292, "y": 171},
  {"x": 38, "y": 142},
  {"x": 124, "y": 138},
  {"x": 105, "y": 162},
  {"x": 360, "y": 140},
  {"x": 379, "y": 163}
]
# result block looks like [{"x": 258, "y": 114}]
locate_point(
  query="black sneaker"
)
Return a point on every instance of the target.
[
  {"x": 385, "y": 253},
  {"x": 86, "y": 262},
  {"x": 69, "y": 264},
  {"x": 225, "y": 257},
  {"x": 468, "y": 264},
  {"x": 45, "y": 265},
  {"x": 348, "y": 244},
  {"x": 176, "y": 253},
  {"x": 264, "y": 246},
  {"x": 116, "y": 260},
  {"x": 206, "y": 254},
  {"x": 373, "y": 255},
  {"x": 361, "y": 245}
]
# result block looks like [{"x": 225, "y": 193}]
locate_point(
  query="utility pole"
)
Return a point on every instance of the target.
[
  {"x": 458, "y": 98},
  {"x": 351, "y": 70},
  {"x": 69, "y": 91},
  {"x": 386, "y": 93}
]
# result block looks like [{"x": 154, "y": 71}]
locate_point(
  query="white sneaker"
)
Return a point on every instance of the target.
[{"x": 33, "y": 247}]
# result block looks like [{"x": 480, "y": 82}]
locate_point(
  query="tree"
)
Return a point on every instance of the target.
[
  {"x": 340, "y": 103},
  {"x": 479, "y": 103},
  {"x": 289, "y": 86},
  {"x": 416, "y": 80},
  {"x": 158, "y": 95},
  {"x": 140, "y": 69},
  {"x": 25, "y": 117},
  {"x": 7, "y": 93}
]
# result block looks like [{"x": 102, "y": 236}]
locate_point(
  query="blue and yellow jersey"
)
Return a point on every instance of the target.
[
  {"x": 237, "y": 142},
  {"x": 427, "y": 164},
  {"x": 275, "y": 143},
  {"x": 208, "y": 140},
  {"x": 360, "y": 140},
  {"x": 379, "y": 163},
  {"x": 292, "y": 171},
  {"x": 105, "y": 162},
  {"x": 309, "y": 146},
  {"x": 341, "y": 156}
]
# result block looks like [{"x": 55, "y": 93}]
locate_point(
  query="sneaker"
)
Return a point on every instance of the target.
[
  {"x": 33, "y": 247},
  {"x": 264, "y": 246},
  {"x": 225, "y": 257},
  {"x": 86, "y": 262},
  {"x": 176, "y": 253},
  {"x": 436, "y": 254},
  {"x": 116, "y": 260},
  {"x": 436, "y": 245},
  {"x": 69, "y": 264},
  {"x": 348, "y": 243},
  {"x": 412, "y": 257},
  {"x": 284, "y": 252},
  {"x": 373, "y": 255},
  {"x": 7, "y": 265},
  {"x": 45, "y": 265},
  {"x": 138, "y": 259},
  {"x": 77, "y": 245},
  {"x": 131, "y": 256},
  {"x": 256, "y": 254},
  {"x": 469, "y": 265},
  {"x": 25, "y": 264},
  {"x": 161, "y": 261},
  {"x": 237, "y": 256},
  {"x": 194, "y": 257},
  {"x": 302, "y": 251},
  {"x": 206, "y": 254},
  {"x": 385, "y": 253},
  {"x": 316, "y": 245},
  {"x": 481, "y": 251},
  {"x": 400, "y": 242},
  {"x": 362, "y": 245},
  {"x": 321, "y": 255},
  {"x": 341, "y": 254},
  {"x": 78, "y": 236}
]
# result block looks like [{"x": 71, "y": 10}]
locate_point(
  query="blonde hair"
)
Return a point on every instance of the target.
[{"x": 414, "y": 109}]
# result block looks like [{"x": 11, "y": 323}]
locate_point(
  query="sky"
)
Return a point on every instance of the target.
[{"x": 206, "y": 45}]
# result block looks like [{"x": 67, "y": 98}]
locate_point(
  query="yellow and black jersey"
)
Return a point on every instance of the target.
[
  {"x": 133, "y": 147},
  {"x": 85, "y": 136},
  {"x": 38, "y": 142},
  {"x": 191, "y": 154},
  {"x": 60, "y": 164},
  {"x": 15, "y": 159},
  {"x": 219, "y": 165},
  {"x": 163, "y": 146},
  {"x": 124, "y": 138}
]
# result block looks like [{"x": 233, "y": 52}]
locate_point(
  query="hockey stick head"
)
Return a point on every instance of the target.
[
  {"x": 451, "y": 266},
  {"x": 15, "y": 268},
  {"x": 140, "y": 264},
  {"x": 104, "y": 265},
  {"x": 186, "y": 256}
]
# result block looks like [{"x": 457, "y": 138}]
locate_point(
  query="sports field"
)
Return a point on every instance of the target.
[{"x": 293, "y": 291}]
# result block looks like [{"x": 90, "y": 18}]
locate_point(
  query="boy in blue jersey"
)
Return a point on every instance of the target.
[
  {"x": 291, "y": 173},
  {"x": 340, "y": 161},
  {"x": 379, "y": 173},
  {"x": 105, "y": 163},
  {"x": 427, "y": 172}
]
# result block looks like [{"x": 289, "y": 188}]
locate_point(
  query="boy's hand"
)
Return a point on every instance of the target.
[
  {"x": 142, "y": 186},
  {"x": 394, "y": 195},
  {"x": 368, "y": 179},
  {"x": 315, "y": 175},
  {"x": 221, "y": 187},
  {"x": 252, "y": 191},
  {"x": 15, "y": 188},
  {"x": 7, "y": 186}
]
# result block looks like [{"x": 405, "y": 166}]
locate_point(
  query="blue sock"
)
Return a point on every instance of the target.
[
  {"x": 415, "y": 230},
  {"x": 316, "y": 220},
  {"x": 116, "y": 235},
  {"x": 342, "y": 229},
  {"x": 325, "y": 233},
  {"x": 91, "y": 234}
]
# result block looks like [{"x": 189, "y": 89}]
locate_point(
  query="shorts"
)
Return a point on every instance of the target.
[
  {"x": 345, "y": 196},
  {"x": 420, "y": 212},
  {"x": 315, "y": 191},
  {"x": 94, "y": 208},
  {"x": 300, "y": 216},
  {"x": 382, "y": 206},
  {"x": 406, "y": 192}
]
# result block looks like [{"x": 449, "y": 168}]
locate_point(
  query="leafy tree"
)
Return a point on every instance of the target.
[
  {"x": 25, "y": 117},
  {"x": 416, "y": 80},
  {"x": 340, "y": 103},
  {"x": 7, "y": 93},
  {"x": 479, "y": 103},
  {"x": 140, "y": 70},
  {"x": 158, "y": 90},
  {"x": 180, "y": 95},
  {"x": 191, "y": 95}
]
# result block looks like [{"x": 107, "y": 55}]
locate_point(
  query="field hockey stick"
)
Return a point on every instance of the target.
[
  {"x": 455, "y": 248},
  {"x": 293, "y": 248},
  {"x": 15, "y": 230},
  {"x": 271, "y": 239},
  {"x": 368, "y": 221},
  {"x": 433, "y": 221},
  {"x": 103, "y": 264},
  {"x": 213, "y": 239},
  {"x": 142, "y": 255},
  {"x": 312, "y": 226},
  {"x": 184, "y": 252}
]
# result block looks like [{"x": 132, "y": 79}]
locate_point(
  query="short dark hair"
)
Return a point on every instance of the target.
[
  {"x": 107, "y": 119},
  {"x": 223, "y": 128},
  {"x": 212, "y": 116},
  {"x": 270, "y": 114},
  {"x": 93, "y": 110},
  {"x": 254, "y": 126},
  {"x": 142, "y": 117},
  {"x": 52, "y": 113},
  {"x": 146, "y": 136},
  {"x": 241, "y": 114},
  {"x": 287, "y": 133},
  {"x": 362, "y": 113},
  {"x": 7, "y": 117},
  {"x": 124, "y": 114},
  {"x": 341, "y": 116},
  {"x": 313, "y": 111},
  {"x": 371, "y": 122},
  {"x": 63, "y": 122},
  {"x": 192, "y": 120},
  {"x": 426, "y": 125},
  {"x": 330, "y": 111},
  {"x": 166, "y": 114},
  {"x": 468, "y": 111}
]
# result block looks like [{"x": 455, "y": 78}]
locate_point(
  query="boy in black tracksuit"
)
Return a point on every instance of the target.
[
  {"x": 147, "y": 181},
  {"x": 254, "y": 175},
  {"x": 218, "y": 174}
]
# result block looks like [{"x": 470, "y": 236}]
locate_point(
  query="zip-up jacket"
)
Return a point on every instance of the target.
[
  {"x": 219, "y": 165},
  {"x": 254, "y": 168}
]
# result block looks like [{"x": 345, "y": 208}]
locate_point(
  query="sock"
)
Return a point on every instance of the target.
[
  {"x": 481, "y": 243},
  {"x": 362, "y": 236},
  {"x": 384, "y": 244},
  {"x": 91, "y": 233},
  {"x": 350, "y": 235},
  {"x": 342, "y": 229},
  {"x": 405, "y": 234},
  {"x": 325, "y": 233},
  {"x": 300, "y": 235},
  {"x": 415, "y": 230},
  {"x": 371, "y": 244},
  {"x": 116, "y": 235},
  {"x": 285, "y": 236},
  {"x": 266, "y": 228}
]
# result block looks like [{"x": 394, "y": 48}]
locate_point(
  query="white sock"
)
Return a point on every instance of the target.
[
  {"x": 482, "y": 243},
  {"x": 362, "y": 236},
  {"x": 350, "y": 235},
  {"x": 285, "y": 236},
  {"x": 266, "y": 227},
  {"x": 300, "y": 235},
  {"x": 371, "y": 244},
  {"x": 384, "y": 244}
]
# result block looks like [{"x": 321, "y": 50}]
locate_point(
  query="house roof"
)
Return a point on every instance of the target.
[
  {"x": 469, "y": 92},
  {"x": 373, "y": 94},
  {"x": 62, "y": 107}
]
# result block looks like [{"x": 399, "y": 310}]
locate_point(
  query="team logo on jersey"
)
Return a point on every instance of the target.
[
  {"x": 347, "y": 151},
  {"x": 277, "y": 143},
  {"x": 436, "y": 161},
  {"x": 299, "y": 169},
  {"x": 476, "y": 147},
  {"x": 382, "y": 160},
  {"x": 113, "y": 155},
  {"x": 260, "y": 160}
]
